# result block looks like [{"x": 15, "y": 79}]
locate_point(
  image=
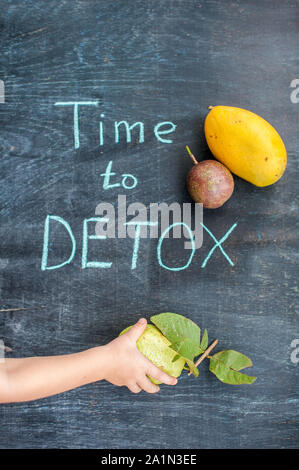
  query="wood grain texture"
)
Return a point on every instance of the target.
[{"x": 151, "y": 61}]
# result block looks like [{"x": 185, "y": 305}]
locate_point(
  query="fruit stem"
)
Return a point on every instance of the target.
[
  {"x": 191, "y": 155},
  {"x": 205, "y": 354},
  {"x": 211, "y": 107}
]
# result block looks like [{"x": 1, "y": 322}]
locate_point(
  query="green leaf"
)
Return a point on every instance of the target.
[
  {"x": 204, "y": 341},
  {"x": 183, "y": 334},
  {"x": 186, "y": 348},
  {"x": 175, "y": 358},
  {"x": 233, "y": 359},
  {"x": 226, "y": 364}
]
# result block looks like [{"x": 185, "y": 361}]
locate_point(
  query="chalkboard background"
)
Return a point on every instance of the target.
[{"x": 146, "y": 61}]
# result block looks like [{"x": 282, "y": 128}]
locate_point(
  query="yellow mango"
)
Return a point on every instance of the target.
[{"x": 246, "y": 144}]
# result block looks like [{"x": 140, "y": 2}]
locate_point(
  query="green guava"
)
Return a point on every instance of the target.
[{"x": 153, "y": 344}]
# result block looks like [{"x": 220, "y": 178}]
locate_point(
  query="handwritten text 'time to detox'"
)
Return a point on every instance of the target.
[{"x": 128, "y": 182}]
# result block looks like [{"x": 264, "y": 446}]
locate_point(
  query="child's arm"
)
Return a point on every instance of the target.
[{"x": 118, "y": 362}]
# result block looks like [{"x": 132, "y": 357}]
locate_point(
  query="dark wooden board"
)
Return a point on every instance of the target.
[{"x": 150, "y": 62}]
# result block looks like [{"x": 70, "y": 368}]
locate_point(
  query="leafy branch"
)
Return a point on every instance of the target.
[{"x": 185, "y": 338}]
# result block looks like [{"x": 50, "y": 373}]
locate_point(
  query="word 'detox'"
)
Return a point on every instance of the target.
[
  {"x": 160, "y": 130},
  {"x": 100, "y": 264}
]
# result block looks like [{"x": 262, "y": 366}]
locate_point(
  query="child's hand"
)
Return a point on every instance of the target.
[
  {"x": 127, "y": 366},
  {"x": 119, "y": 362}
]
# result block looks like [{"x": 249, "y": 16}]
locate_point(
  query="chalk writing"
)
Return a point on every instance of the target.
[
  {"x": 136, "y": 226},
  {"x": 128, "y": 181},
  {"x": 46, "y": 242},
  {"x": 158, "y": 132},
  {"x": 128, "y": 131},
  {"x": 92, "y": 264},
  {"x": 160, "y": 129},
  {"x": 76, "y": 105},
  {"x": 159, "y": 246},
  {"x": 218, "y": 245}
]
